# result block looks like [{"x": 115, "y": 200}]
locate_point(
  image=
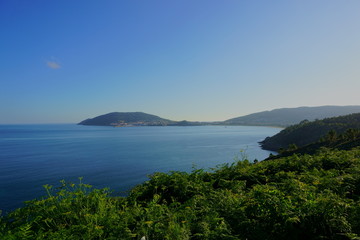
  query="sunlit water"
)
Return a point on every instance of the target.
[{"x": 119, "y": 158}]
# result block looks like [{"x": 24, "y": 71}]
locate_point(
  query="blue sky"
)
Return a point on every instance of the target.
[{"x": 65, "y": 61}]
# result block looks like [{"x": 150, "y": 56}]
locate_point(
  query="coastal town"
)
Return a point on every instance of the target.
[{"x": 137, "y": 124}]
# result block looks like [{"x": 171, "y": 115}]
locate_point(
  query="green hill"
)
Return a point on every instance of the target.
[
  {"x": 344, "y": 141},
  {"x": 307, "y": 132},
  {"x": 127, "y": 118},
  {"x": 288, "y": 116}
]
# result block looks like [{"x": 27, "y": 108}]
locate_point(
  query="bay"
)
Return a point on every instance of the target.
[{"x": 34, "y": 155}]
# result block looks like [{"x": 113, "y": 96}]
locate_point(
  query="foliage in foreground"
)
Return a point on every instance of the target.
[{"x": 295, "y": 197}]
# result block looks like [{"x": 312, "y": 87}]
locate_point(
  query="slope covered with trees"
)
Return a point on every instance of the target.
[
  {"x": 296, "y": 197},
  {"x": 308, "y": 132},
  {"x": 345, "y": 141}
]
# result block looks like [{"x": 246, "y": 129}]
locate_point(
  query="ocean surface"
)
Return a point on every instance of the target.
[{"x": 34, "y": 155}]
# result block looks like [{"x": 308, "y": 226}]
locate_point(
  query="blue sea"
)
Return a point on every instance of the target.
[{"x": 120, "y": 158}]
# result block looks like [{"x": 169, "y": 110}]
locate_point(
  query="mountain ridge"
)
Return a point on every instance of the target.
[
  {"x": 281, "y": 117},
  {"x": 284, "y": 117}
]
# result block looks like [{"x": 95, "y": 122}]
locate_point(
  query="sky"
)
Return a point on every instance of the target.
[{"x": 204, "y": 60}]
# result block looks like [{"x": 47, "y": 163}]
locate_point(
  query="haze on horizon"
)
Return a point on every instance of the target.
[{"x": 205, "y": 60}]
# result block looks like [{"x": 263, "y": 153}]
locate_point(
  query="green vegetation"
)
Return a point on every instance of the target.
[
  {"x": 295, "y": 197},
  {"x": 333, "y": 131},
  {"x": 332, "y": 140}
]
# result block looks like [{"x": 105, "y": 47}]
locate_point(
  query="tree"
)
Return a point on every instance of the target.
[{"x": 331, "y": 136}]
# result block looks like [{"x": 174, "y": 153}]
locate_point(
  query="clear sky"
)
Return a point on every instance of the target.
[{"x": 65, "y": 61}]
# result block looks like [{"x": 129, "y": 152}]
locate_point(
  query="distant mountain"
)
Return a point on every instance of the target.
[
  {"x": 279, "y": 117},
  {"x": 319, "y": 131},
  {"x": 288, "y": 116},
  {"x": 127, "y": 119}
]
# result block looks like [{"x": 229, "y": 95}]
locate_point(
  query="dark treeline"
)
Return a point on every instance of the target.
[{"x": 307, "y": 132}]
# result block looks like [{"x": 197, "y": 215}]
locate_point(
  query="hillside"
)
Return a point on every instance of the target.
[
  {"x": 126, "y": 119},
  {"x": 288, "y": 116},
  {"x": 307, "y": 132}
]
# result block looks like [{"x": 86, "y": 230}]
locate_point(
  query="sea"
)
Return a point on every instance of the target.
[{"x": 115, "y": 157}]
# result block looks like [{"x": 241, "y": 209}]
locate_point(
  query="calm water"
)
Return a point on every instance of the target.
[{"x": 119, "y": 158}]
